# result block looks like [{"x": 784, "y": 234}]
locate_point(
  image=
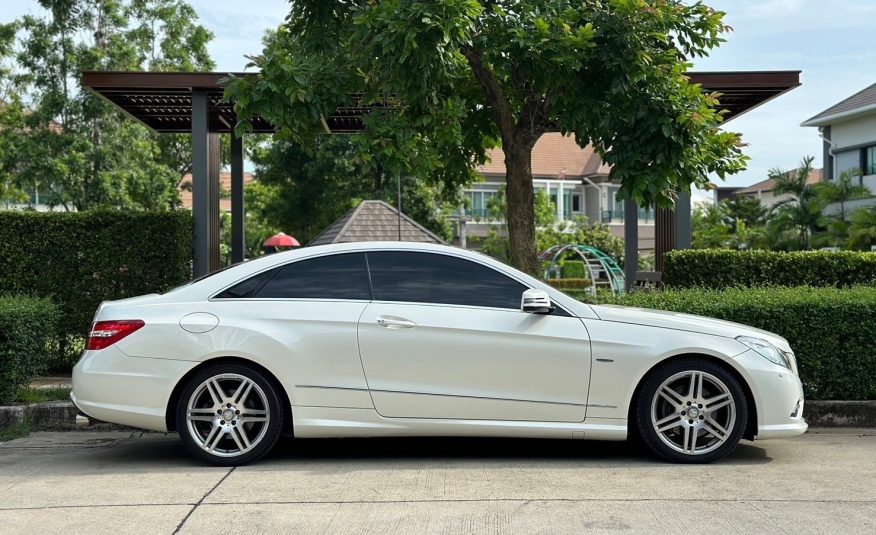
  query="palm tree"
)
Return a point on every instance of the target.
[
  {"x": 802, "y": 211},
  {"x": 842, "y": 191},
  {"x": 748, "y": 210}
]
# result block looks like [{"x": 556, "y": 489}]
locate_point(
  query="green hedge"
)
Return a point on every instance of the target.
[
  {"x": 831, "y": 330},
  {"x": 718, "y": 268},
  {"x": 80, "y": 259},
  {"x": 27, "y": 328}
]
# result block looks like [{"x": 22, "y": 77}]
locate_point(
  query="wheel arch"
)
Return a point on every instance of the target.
[
  {"x": 750, "y": 426},
  {"x": 170, "y": 410}
]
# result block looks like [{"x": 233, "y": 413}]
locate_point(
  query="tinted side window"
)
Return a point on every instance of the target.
[
  {"x": 437, "y": 278},
  {"x": 341, "y": 276},
  {"x": 249, "y": 287}
]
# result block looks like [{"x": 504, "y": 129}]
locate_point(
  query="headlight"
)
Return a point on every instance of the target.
[{"x": 766, "y": 350}]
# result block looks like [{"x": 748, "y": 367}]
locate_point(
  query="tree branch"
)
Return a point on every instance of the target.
[{"x": 499, "y": 106}]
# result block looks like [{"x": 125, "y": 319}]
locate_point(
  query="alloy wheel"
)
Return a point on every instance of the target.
[
  {"x": 228, "y": 415},
  {"x": 693, "y": 412}
]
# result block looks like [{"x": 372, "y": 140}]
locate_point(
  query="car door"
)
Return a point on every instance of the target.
[
  {"x": 301, "y": 320},
  {"x": 444, "y": 337}
]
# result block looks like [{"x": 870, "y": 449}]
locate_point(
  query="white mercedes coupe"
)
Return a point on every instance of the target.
[{"x": 402, "y": 339}]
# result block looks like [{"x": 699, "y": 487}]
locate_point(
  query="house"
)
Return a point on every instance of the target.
[
  {"x": 375, "y": 221},
  {"x": 848, "y": 129},
  {"x": 575, "y": 179},
  {"x": 185, "y": 190},
  {"x": 764, "y": 190}
]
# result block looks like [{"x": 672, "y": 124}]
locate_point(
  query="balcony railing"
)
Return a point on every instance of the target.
[{"x": 617, "y": 216}]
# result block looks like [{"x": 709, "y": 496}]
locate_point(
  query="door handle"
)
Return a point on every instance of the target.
[{"x": 391, "y": 322}]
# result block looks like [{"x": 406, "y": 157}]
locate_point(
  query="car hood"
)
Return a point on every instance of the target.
[{"x": 684, "y": 322}]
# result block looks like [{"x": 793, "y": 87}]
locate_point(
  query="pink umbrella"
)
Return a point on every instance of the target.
[{"x": 281, "y": 240}]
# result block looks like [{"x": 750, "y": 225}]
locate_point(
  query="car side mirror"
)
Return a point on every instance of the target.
[{"x": 536, "y": 302}]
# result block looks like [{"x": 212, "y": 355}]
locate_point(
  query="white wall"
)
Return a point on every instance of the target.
[{"x": 854, "y": 132}]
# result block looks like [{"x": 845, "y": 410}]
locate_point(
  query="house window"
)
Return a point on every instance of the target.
[
  {"x": 576, "y": 203},
  {"x": 479, "y": 205},
  {"x": 870, "y": 160}
]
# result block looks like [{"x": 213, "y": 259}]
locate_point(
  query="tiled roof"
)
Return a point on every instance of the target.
[
  {"x": 374, "y": 221},
  {"x": 860, "y": 101},
  {"x": 770, "y": 183},
  {"x": 185, "y": 193},
  {"x": 553, "y": 154}
]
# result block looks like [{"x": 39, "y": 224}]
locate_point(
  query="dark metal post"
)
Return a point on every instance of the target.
[
  {"x": 399, "y": 207},
  {"x": 682, "y": 221},
  {"x": 205, "y": 186},
  {"x": 200, "y": 192},
  {"x": 631, "y": 242},
  {"x": 214, "y": 160},
  {"x": 238, "y": 213}
]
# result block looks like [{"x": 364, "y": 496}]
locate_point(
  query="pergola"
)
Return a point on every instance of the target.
[{"x": 177, "y": 102}]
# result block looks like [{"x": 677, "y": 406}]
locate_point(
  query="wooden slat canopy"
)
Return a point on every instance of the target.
[{"x": 163, "y": 100}]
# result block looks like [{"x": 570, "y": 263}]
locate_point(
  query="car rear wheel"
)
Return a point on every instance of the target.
[
  {"x": 691, "y": 411},
  {"x": 229, "y": 415}
]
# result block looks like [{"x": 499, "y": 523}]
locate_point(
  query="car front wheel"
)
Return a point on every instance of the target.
[
  {"x": 229, "y": 415},
  {"x": 691, "y": 411}
]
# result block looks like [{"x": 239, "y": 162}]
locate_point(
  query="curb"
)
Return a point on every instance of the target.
[
  {"x": 61, "y": 415},
  {"x": 840, "y": 413},
  {"x": 49, "y": 416}
]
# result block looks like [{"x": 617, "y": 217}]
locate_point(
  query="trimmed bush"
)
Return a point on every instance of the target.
[
  {"x": 572, "y": 284},
  {"x": 27, "y": 328},
  {"x": 718, "y": 268},
  {"x": 830, "y": 329},
  {"x": 80, "y": 259}
]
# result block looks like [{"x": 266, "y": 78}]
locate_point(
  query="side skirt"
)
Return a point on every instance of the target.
[{"x": 325, "y": 422}]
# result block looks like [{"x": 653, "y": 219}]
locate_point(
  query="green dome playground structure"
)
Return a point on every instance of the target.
[{"x": 601, "y": 269}]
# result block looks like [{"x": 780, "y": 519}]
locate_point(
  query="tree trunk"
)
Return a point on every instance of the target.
[{"x": 521, "y": 207}]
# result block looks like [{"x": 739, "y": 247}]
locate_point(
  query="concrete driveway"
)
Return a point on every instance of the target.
[{"x": 89, "y": 482}]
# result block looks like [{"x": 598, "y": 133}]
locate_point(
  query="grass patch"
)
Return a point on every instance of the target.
[
  {"x": 12, "y": 432},
  {"x": 39, "y": 395}
]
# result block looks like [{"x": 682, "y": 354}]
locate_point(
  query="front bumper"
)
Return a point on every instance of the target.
[
  {"x": 778, "y": 395},
  {"x": 113, "y": 387}
]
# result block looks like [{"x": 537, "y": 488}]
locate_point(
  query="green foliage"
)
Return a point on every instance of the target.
[
  {"x": 828, "y": 329},
  {"x": 713, "y": 268},
  {"x": 41, "y": 395},
  {"x": 458, "y": 76},
  {"x": 79, "y": 259},
  {"x": 27, "y": 327},
  {"x": 862, "y": 232},
  {"x": 76, "y": 149},
  {"x": 305, "y": 188}
]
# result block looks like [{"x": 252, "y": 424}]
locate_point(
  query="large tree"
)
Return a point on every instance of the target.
[
  {"x": 73, "y": 145},
  {"x": 466, "y": 75}
]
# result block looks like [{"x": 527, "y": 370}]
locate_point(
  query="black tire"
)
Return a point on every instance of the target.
[
  {"x": 263, "y": 398},
  {"x": 696, "y": 421}
]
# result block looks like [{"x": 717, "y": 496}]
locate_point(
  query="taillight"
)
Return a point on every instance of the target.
[{"x": 106, "y": 333}]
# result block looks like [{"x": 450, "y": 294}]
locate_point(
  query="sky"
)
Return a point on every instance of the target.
[{"x": 832, "y": 42}]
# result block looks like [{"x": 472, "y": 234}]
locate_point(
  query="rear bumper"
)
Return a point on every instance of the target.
[{"x": 113, "y": 387}]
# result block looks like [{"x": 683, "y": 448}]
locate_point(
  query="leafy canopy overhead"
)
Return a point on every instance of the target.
[{"x": 465, "y": 75}]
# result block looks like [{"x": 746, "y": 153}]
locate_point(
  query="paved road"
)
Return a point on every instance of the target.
[{"x": 90, "y": 482}]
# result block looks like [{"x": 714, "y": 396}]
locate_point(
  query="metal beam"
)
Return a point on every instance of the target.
[
  {"x": 238, "y": 215},
  {"x": 631, "y": 242}
]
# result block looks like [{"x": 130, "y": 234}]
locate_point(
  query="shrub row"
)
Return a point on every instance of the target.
[
  {"x": 829, "y": 329},
  {"x": 718, "y": 268},
  {"x": 27, "y": 328},
  {"x": 80, "y": 259}
]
